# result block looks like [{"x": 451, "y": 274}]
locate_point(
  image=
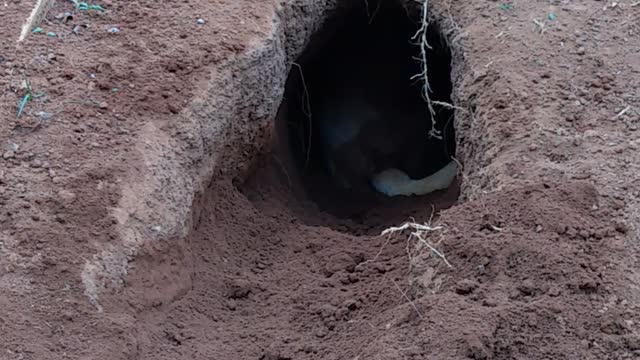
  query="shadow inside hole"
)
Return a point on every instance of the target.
[{"x": 369, "y": 49}]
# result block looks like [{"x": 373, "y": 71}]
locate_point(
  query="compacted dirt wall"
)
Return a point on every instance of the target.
[{"x": 143, "y": 215}]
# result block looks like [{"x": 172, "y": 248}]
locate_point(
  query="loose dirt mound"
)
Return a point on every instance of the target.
[{"x": 138, "y": 221}]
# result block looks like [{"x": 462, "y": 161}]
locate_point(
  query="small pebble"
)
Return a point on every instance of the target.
[
  {"x": 66, "y": 195},
  {"x": 200, "y": 21},
  {"x": 77, "y": 29},
  {"x": 113, "y": 30}
]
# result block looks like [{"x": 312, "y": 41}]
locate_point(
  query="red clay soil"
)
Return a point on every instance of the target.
[{"x": 543, "y": 242}]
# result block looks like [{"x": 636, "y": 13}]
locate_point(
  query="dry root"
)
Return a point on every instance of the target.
[{"x": 418, "y": 233}]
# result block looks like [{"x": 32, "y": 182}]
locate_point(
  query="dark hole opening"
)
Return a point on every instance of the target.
[{"x": 361, "y": 66}]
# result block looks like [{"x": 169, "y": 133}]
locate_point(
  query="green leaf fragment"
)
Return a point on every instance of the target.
[
  {"x": 83, "y": 6},
  {"x": 26, "y": 98}
]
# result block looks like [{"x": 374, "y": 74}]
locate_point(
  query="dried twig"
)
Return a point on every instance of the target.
[
  {"x": 409, "y": 300},
  {"x": 421, "y": 34},
  {"x": 448, "y": 106},
  {"x": 418, "y": 231},
  {"x": 540, "y": 24},
  {"x": 37, "y": 13},
  {"x": 624, "y": 111},
  {"x": 284, "y": 170},
  {"x": 306, "y": 108}
]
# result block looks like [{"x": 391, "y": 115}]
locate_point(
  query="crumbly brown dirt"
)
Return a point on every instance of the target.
[{"x": 139, "y": 221}]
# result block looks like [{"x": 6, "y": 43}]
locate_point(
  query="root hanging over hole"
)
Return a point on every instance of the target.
[{"x": 354, "y": 128}]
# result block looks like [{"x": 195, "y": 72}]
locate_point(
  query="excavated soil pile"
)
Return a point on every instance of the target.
[{"x": 156, "y": 204}]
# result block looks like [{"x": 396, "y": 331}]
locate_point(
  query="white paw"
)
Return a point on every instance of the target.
[{"x": 394, "y": 182}]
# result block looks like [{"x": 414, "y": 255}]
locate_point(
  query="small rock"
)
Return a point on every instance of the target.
[
  {"x": 527, "y": 287},
  {"x": 231, "y": 304},
  {"x": 633, "y": 342},
  {"x": 321, "y": 332},
  {"x": 341, "y": 314},
  {"x": 113, "y": 30},
  {"x": 475, "y": 349},
  {"x": 613, "y": 326},
  {"x": 379, "y": 267},
  {"x": 77, "y": 29},
  {"x": 490, "y": 302},
  {"x": 327, "y": 311},
  {"x": 13, "y": 147},
  {"x": 239, "y": 289},
  {"x": 67, "y": 315},
  {"x": 103, "y": 105},
  {"x": 200, "y": 21},
  {"x": 466, "y": 286},
  {"x": 66, "y": 195},
  {"x": 8, "y": 155},
  {"x": 581, "y": 51},
  {"x": 350, "y": 304},
  {"x": 36, "y": 164},
  {"x": 619, "y": 225},
  {"x": 554, "y": 291},
  {"x": 338, "y": 262},
  {"x": 44, "y": 115},
  {"x": 272, "y": 353}
]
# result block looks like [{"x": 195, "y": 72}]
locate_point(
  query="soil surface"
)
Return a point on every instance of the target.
[{"x": 542, "y": 243}]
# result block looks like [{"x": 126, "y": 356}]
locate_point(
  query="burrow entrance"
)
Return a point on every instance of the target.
[{"x": 364, "y": 64}]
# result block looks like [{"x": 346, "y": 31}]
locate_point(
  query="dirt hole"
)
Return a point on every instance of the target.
[{"x": 361, "y": 65}]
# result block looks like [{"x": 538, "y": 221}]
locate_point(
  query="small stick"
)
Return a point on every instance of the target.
[
  {"x": 540, "y": 24},
  {"x": 448, "y": 106},
  {"x": 624, "y": 111},
  {"x": 41, "y": 8},
  {"x": 284, "y": 170},
  {"x": 409, "y": 300},
  {"x": 307, "y": 112},
  {"x": 423, "y": 241}
]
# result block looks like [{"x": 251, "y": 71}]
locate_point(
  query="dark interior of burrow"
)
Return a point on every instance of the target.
[{"x": 371, "y": 46}]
